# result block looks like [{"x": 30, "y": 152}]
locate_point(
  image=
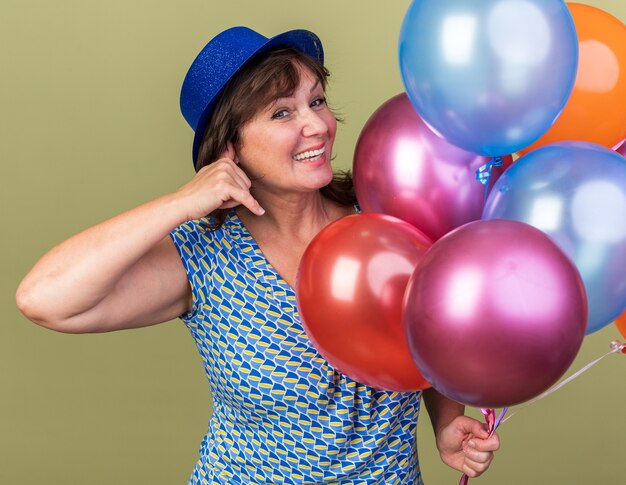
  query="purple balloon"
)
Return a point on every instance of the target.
[
  {"x": 403, "y": 169},
  {"x": 494, "y": 313}
]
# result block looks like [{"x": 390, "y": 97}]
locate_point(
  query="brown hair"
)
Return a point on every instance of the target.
[{"x": 265, "y": 78}]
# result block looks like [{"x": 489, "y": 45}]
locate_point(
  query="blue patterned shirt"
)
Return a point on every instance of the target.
[{"x": 281, "y": 413}]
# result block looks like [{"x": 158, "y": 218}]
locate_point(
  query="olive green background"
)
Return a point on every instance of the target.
[{"x": 90, "y": 126}]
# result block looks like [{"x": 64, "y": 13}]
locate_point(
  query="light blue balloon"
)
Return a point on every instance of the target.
[
  {"x": 576, "y": 193},
  {"x": 490, "y": 76}
]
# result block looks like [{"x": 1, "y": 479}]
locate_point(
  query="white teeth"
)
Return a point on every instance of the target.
[{"x": 309, "y": 154}]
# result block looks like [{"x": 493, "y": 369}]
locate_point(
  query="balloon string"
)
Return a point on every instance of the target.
[
  {"x": 616, "y": 346},
  {"x": 492, "y": 425},
  {"x": 483, "y": 174},
  {"x": 493, "y": 422}
]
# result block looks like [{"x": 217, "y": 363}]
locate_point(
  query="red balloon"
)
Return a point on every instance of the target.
[
  {"x": 621, "y": 149},
  {"x": 403, "y": 169},
  {"x": 349, "y": 290},
  {"x": 495, "y": 313}
]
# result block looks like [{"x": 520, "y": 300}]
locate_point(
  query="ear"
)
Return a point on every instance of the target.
[{"x": 230, "y": 152}]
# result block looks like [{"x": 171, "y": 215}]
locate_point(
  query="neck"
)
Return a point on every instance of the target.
[
  {"x": 299, "y": 216},
  {"x": 288, "y": 226}
]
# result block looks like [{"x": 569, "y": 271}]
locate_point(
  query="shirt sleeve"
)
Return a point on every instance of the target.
[{"x": 193, "y": 241}]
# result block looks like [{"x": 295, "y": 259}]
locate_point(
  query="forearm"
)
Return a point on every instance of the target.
[
  {"x": 441, "y": 410},
  {"x": 124, "y": 272},
  {"x": 78, "y": 273}
]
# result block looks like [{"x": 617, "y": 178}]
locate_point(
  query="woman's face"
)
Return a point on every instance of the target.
[{"x": 287, "y": 146}]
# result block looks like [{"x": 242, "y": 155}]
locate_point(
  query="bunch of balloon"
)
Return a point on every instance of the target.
[
  {"x": 494, "y": 313},
  {"x": 490, "y": 76},
  {"x": 596, "y": 110},
  {"x": 403, "y": 169},
  {"x": 575, "y": 192},
  {"x": 349, "y": 289}
]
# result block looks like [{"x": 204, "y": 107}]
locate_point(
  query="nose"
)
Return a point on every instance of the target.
[{"x": 314, "y": 123}]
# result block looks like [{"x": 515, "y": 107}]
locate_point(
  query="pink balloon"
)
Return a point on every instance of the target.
[
  {"x": 621, "y": 149},
  {"x": 402, "y": 168},
  {"x": 495, "y": 313}
]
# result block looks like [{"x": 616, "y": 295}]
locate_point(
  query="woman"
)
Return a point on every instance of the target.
[{"x": 262, "y": 148}]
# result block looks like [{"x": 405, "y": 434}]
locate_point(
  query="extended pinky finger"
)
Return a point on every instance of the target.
[{"x": 251, "y": 203}]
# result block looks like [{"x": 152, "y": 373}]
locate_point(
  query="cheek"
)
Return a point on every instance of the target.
[
  {"x": 332, "y": 126},
  {"x": 252, "y": 143}
]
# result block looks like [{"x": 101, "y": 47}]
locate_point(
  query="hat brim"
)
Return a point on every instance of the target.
[{"x": 300, "y": 39}]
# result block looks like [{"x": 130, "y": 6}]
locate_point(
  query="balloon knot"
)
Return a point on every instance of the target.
[
  {"x": 483, "y": 174},
  {"x": 617, "y": 346}
]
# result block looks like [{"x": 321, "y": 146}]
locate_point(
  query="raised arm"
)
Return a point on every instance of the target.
[{"x": 125, "y": 272}]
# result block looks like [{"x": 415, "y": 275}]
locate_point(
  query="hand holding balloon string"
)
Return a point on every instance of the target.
[{"x": 494, "y": 422}]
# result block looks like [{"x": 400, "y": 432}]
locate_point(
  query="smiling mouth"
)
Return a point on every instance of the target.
[{"x": 309, "y": 155}]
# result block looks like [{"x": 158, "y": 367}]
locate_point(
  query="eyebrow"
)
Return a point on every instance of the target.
[
  {"x": 317, "y": 83},
  {"x": 273, "y": 104}
]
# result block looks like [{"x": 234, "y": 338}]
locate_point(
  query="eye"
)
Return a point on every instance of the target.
[
  {"x": 280, "y": 113},
  {"x": 321, "y": 101}
]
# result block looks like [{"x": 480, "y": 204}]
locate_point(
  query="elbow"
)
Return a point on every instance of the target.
[
  {"x": 27, "y": 303},
  {"x": 33, "y": 307}
]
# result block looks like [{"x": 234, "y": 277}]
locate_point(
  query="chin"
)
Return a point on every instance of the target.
[
  {"x": 315, "y": 179},
  {"x": 324, "y": 180}
]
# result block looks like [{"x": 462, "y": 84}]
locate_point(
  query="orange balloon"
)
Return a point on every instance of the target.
[
  {"x": 596, "y": 110},
  {"x": 620, "y": 323}
]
